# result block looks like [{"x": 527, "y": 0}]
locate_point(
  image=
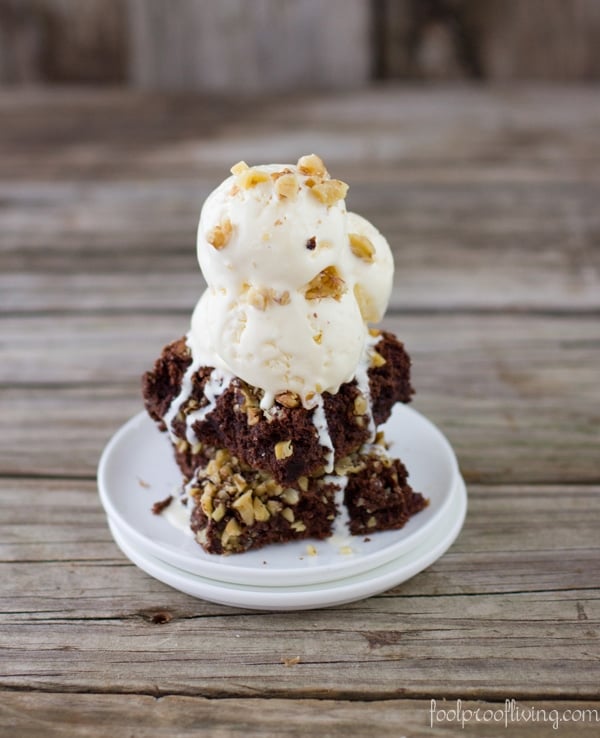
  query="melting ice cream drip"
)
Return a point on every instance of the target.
[
  {"x": 362, "y": 381},
  {"x": 216, "y": 384},
  {"x": 319, "y": 419}
]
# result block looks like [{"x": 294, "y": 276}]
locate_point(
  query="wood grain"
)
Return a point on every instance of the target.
[
  {"x": 479, "y": 613},
  {"x": 520, "y": 402},
  {"x": 28, "y": 713},
  {"x": 490, "y": 202}
]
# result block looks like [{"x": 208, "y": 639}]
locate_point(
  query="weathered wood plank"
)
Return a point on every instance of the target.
[
  {"x": 29, "y": 714},
  {"x": 240, "y": 48},
  {"x": 517, "y": 395},
  {"x": 539, "y": 645},
  {"x": 499, "y": 550},
  {"x": 526, "y": 134},
  {"x": 456, "y": 245}
]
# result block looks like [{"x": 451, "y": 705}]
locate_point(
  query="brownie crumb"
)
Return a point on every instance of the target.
[
  {"x": 161, "y": 505},
  {"x": 311, "y": 244}
]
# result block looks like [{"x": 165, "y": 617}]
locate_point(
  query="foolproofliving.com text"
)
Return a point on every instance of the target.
[{"x": 510, "y": 713}]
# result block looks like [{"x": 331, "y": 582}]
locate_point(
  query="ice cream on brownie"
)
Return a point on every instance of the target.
[{"x": 273, "y": 398}]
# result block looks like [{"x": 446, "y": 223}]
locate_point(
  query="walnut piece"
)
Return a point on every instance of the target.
[
  {"x": 218, "y": 237},
  {"x": 377, "y": 359},
  {"x": 362, "y": 247},
  {"x": 283, "y": 450},
  {"x": 311, "y": 164},
  {"x": 327, "y": 283},
  {"x": 330, "y": 191},
  {"x": 287, "y": 399},
  {"x": 286, "y": 187},
  {"x": 360, "y": 405},
  {"x": 238, "y": 168},
  {"x": 249, "y": 178}
]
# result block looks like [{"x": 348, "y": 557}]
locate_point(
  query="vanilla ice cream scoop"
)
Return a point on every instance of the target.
[{"x": 293, "y": 279}]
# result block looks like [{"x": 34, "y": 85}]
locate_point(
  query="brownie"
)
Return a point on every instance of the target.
[
  {"x": 237, "y": 508},
  {"x": 378, "y": 496},
  {"x": 255, "y": 437}
]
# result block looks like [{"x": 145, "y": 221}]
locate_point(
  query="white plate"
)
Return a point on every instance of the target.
[
  {"x": 326, "y": 594},
  {"x": 137, "y": 468}
]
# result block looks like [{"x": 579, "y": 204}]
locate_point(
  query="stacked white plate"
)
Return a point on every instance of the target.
[{"x": 137, "y": 469}]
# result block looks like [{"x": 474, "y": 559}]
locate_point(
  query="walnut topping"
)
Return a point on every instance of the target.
[
  {"x": 253, "y": 415},
  {"x": 287, "y": 187},
  {"x": 377, "y": 359},
  {"x": 380, "y": 439},
  {"x": 311, "y": 550},
  {"x": 232, "y": 530},
  {"x": 288, "y": 514},
  {"x": 249, "y": 178},
  {"x": 349, "y": 465},
  {"x": 298, "y": 526},
  {"x": 361, "y": 247},
  {"x": 238, "y": 168},
  {"x": 290, "y": 496},
  {"x": 258, "y": 298},
  {"x": 281, "y": 298},
  {"x": 283, "y": 450},
  {"x": 219, "y": 513},
  {"x": 182, "y": 445},
  {"x": 330, "y": 191},
  {"x": 327, "y": 283},
  {"x": 244, "y": 505},
  {"x": 360, "y": 405},
  {"x": 219, "y": 236},
  {"x": 261, "y": 512},
  {"x": 303, "y": 483},
  {"x": 287, "y": 399},
  {"x": 262, "y": 297},
  {"x": 312, "y": 164},
  {"x": 318, "y": 337}
]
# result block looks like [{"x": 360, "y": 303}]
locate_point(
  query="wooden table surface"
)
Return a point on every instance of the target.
[{"x": 491, "y": 202}]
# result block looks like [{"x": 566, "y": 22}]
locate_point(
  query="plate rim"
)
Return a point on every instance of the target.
[
  {"x": 370, "y": 583},
  {"x": 219, "y": 570}
]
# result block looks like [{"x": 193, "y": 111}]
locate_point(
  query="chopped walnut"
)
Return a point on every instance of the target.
[
  {"x": 253, "y": 415},
  {"x": 258, "y": 298},
  {"x": 312, "y": 164},
  {"x": 288, "y": 514},
  {"x": 330, "y": 191},
  {"x": 232, "y": 530},
  {"x": 238, "y": 168},
  {"x": 251, "y": 177},
  {"x": 287, "y": 187},
  {"x": 283, "y": 450},
  {"x": 244, "y": 505},
  {"x": 377, "y": 359},
  {"x": 261, "y": 512},
  {"x": 218, "y": 237},
  {"x": 327, "y": 283},
  {"x": 287, "y": 399},
  {"x": 361, "y": 247},
  {"x": 262, "y": 297},
  {"x": 290, "y": 496},
  {"x": 360, "y": 405}
]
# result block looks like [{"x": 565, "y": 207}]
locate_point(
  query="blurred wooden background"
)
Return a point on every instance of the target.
[{"x": 254, "y": 46}]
